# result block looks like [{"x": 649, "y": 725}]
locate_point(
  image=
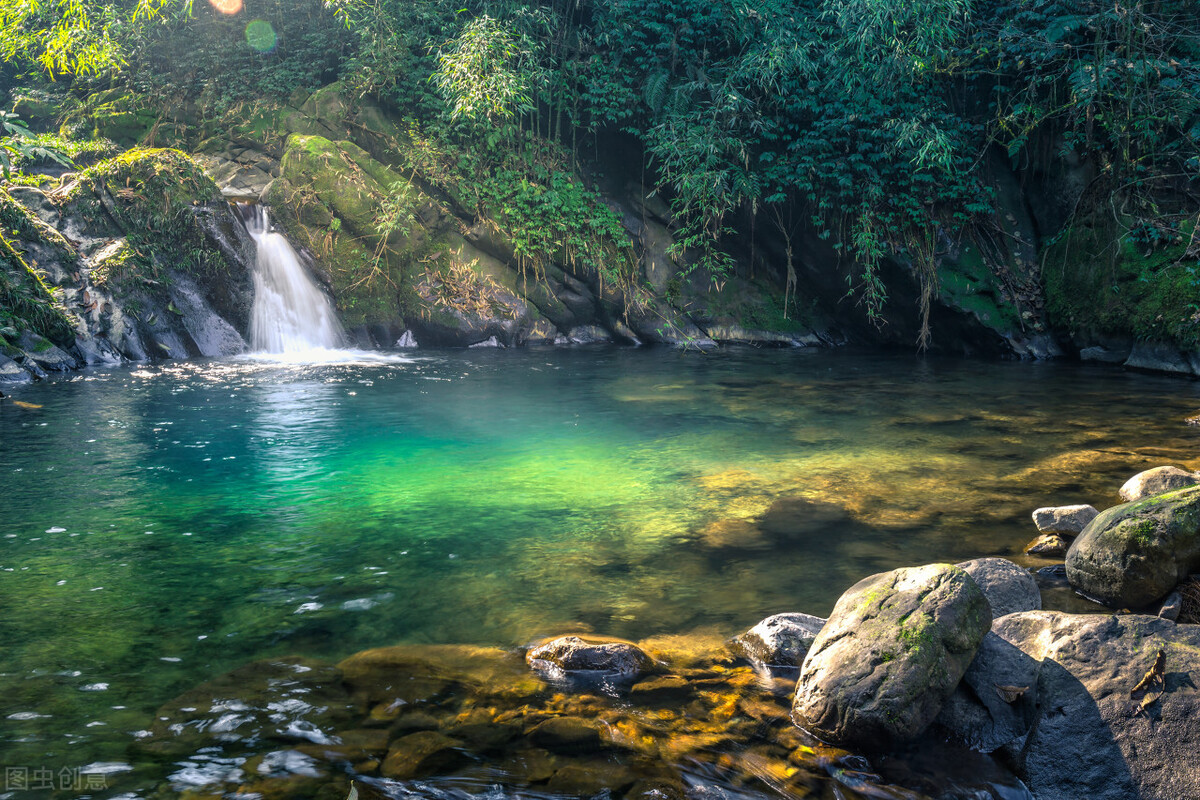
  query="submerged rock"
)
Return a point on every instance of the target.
[
  {"x": 1054, "y": 693},
  {"x": 1007, "y": 587},
  {"x": 1157, "y": 481},
  {"x": 1048, "y": 545},
  {"x": 569, "y": 654},
  {"x": 892, "y": 652},
  {"x": 1068, "y": 520},
  {"x": 1134, "y": 554},
  {"x": 781, "y": 640}
]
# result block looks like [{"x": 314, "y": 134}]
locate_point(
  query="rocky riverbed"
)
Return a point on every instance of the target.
[{"x": 949, "y": 664}]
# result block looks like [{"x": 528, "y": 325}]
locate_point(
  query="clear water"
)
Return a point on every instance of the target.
[{"x": 164, "y": 524}]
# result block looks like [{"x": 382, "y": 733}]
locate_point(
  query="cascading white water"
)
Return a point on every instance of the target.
[{"x": 291, "y": 315}]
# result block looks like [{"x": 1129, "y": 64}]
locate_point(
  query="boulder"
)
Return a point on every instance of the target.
[
  {"x": 1048, "y": 545},
  {"x": 1051, "y": 692},
  {"x": 421, "y": 754},
  {"x": 11, "y": 371},
  {"x": 41, "y": 351},
  {"x": 1068, "y": 520},
  {"x": 569, "y": 654},
  {"x": 1007, "y": 587},
  {"x": 1157, "y": 481},
  {"x": 781, "y": 640},
  {"x": 1134, "y": 554},
  {"x": 892, "y": 652}
]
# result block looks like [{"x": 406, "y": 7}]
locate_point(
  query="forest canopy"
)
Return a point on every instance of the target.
[{"x": 869, "y": 122}]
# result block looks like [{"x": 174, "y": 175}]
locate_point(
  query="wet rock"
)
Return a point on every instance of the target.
[
  {"x": 780, "y": 640},
  {"x": 1134, "y": 554},
  {"x": 42, "y": 352},
  {"x": 588, "y": 779},
  {"x": 800, "y": 518},
  {"x": 491, "y": 341},
  {"x": 1048, "y": 545},
  {"x": 733, "y": 534},
  {"x": 1159, "y": 357},
  {"x": 572, "y": 654},
  {"x": 587, "y": 334},
  {"x": 481, "y": 731},
  {"x": 407, "y": 341},
  {"x": 567, "y": 735},
  {"x": 662, "y": 689},
  {"x": 10, "y": 371},
  {"x": 1007, "y": 587},
  {"x": 396, "y": 677},
  {"x": 352, "y": 746},
  {"x": 1076, "y": 731},
  {"x": 1157, "y": 481},
  {"x": 890, "y": 655},
  {"x": 422, "y": 754},
  {"x": 1067, "y": 520},
  {"x": 994, "y": 704}
]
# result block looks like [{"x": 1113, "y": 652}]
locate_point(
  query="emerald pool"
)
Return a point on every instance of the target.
[{"x": 164, "y": 524}]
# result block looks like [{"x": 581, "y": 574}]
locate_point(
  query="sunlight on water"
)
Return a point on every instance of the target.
[{"x": 164, "y": 524}]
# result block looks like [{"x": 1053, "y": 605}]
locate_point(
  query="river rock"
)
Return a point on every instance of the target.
[
  {"x": 1134, "y": 554},
  {"x": 423, "y": 753},
  {"x": 42, "y": 352},
  {"x": 11, "y": 371},
  {"x": 1007, "y": 587},
  {"x": 1048, "y": 545},
  {"x": 781, "y": 640},
  {"x": 1157, "y": 481},
  {"x": 1068, "y": 520},
  {"x": 1074, "y": 731},
  {"x": 571, "y": 654},
  {"x": 890, "y": 655}
]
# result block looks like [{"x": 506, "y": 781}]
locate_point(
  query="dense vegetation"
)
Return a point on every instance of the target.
[{"x": 867, "y": 123}]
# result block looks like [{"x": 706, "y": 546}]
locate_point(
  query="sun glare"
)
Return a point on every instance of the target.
[{"x": 227, "y": 6}]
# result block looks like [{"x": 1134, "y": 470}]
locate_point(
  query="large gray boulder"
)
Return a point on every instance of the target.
[
  {"x": 1067, "y": 520},
  {"x": 1134, "y": 554},
  {"x": 893, "y": 650},
  {"x": 1156, "y": 481},
  {"x": 1007, "y": 587},
  {"x": 1052, "y": 693},
  {"x": 781, "y": 640}
]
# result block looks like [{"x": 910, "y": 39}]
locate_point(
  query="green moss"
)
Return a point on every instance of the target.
[
  {"x": 970, "y": 284},
  {"x": 1102, "y": 279},
  {"x": 754, "y": 305},
  {"x": 27, "y": 302}
]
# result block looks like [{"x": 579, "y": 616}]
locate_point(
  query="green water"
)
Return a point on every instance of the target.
[{"x": 163, "y": 524}]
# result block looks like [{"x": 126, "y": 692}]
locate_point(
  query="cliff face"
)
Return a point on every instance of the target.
[{"x": 138, "y": 257}]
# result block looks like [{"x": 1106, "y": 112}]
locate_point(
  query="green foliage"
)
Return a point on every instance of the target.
[
  {"x": 1101, "y": 279},
  {"x": 485, "y": 73},
  {"x": 20, "y": 146},
  {"x": 26, "y": 300}
]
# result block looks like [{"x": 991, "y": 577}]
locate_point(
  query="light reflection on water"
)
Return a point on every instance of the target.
[{"x": 212, "y": 513}]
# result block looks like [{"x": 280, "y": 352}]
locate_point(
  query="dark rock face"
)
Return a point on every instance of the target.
[
  {"x": 1067, "y": 719},
  {"x": 1157, "y": 481},
  {"x": 1007, "y": 587},
  {"x": 891, "y": 653},
  {"x": 781, "y": 640},
  {"x": 569, "y": 654},
  {"x": 1134, "y": 554}
]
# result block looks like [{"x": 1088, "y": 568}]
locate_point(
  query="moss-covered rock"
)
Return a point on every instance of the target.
[
  {"x": 27, "y": 301},
  {"x": 891, "y": 653},
  {"x": 1100, "y": 279},
  {"x": 1134, "y": 554}
]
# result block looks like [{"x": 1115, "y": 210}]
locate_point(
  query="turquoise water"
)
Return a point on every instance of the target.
[{"x": 164, "y": 524}]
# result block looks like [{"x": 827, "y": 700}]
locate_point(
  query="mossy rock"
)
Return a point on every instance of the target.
[
  {"x": 27, "y": 301},
  {"x": 891, "y": 653},
  {"x": 1100, "y": 280},
  {"x": 1134, "y": 554}
]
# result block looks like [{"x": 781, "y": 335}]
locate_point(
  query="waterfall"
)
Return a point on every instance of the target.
[{"x": 291, "y": 314}]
